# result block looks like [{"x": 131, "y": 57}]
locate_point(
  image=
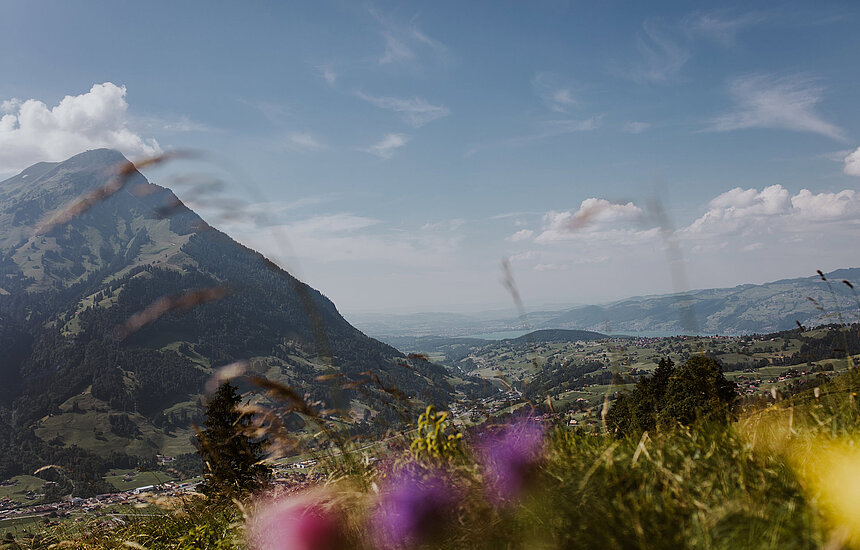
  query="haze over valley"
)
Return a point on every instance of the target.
[{"x": 378, "y": 275}]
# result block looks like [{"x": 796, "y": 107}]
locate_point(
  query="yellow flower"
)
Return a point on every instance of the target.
[{"x": 831, "y": 470}]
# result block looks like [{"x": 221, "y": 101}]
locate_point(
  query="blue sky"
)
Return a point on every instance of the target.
[{"x": 392, "y": 154}]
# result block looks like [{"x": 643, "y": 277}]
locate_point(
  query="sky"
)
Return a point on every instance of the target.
[{"x": 395, "y": 154}]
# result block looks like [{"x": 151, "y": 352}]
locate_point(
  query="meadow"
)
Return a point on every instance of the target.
[{"x": 781, "y": 474}]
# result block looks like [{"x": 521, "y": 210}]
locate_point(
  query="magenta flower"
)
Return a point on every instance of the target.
[
  {"x": 509, "y": 457},
  {"x": 412, "y": 509},
  {"x": 296, "y": 524}
]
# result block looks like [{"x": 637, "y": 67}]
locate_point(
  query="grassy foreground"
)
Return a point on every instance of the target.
[{"x": 786, "y": 476}]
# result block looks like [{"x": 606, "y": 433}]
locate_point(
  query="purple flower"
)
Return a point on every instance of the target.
[
  {"x": 412, "y": 509},
  {"x": 509, "y": 457},
  {"x": 296, "y": 524}
]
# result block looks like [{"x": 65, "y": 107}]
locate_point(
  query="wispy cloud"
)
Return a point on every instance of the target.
[
  {"x": 546, "y": 129},
  {"x": 766, "y": 101},
  {"x": 665, "y": 46},
  {"x": 507, "y": 215},
  {"x": 555, "y": 93},
  {"x": 521, "y": 235},
  {"x": 276, "y": 113},
  {"x": 634, "y": 127},
  {"x": 177, "y": 124},
  {"x": 328, "y": 74},
  {"x": 720, "y": 26},
  {"x": 661, "y": 55},
  {"x": 404, "y": 41},
  {"x": 303, "y": 142},
  {"x": 415, "y": 111},
  {"x": 385, "y": 147},
  {"x": 395, "y": 51}
]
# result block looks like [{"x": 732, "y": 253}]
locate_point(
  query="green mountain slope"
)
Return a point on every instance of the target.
[{"x": 72, "y": 383}]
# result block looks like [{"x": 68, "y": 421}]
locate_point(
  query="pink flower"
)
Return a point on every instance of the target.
[
  {"x": 296, "y": 524},
  {"x": 509, "y": 457},
  {"x": 412, "y": 509}
]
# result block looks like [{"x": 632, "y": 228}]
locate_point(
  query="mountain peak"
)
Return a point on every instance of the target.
[
  {"x": 96, "y": 157},
  {"x": 65, "y": 292}
]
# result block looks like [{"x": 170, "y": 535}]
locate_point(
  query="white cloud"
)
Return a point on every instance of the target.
[
  {"x": 395, "y": 51},
  {"x": 554, "y": 92},
  {"x": 743, "y": 202},
  {"x": 450, "y": 225},
  {"x": 743, "y": 235},
  {"x": 772, "y": 210},
  {"x": 414, "y": 111},
  {"x": 593, "y": 216},
  {"x": 523, "y": 256},
  {"x": 749, "y": 216},
  {"x": 521, "y": 235},
  {"x": 826, "y": 206},
  {"x": 634, "y": 127},
  {"x": 852, "y": 163},
  {"x": 405, "y": 43},
  {"x": 562, "y": 97},
  {"x": 764, "y": 101},
  {"x": 30, "y": 131},
  {"x": 385, "y": 147},
  {"x": 661, "y": 56},
  {"x": 720, "y": 27},
  {"x": 303, "y": 142},
  {"x": 328, "y": 74},
  {"x": 518, "y": 215}
]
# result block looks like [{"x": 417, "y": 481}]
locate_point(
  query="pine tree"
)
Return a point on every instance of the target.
[
  {"x": 696, "y": 390},
  {"x": 230, "y": 457}
]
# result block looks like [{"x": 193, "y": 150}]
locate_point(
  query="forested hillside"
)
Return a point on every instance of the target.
[{"x": 68, "y": 289}]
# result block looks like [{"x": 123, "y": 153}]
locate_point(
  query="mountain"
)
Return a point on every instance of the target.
[
  {"x": 72, "y": 272},
  {"x": 389, "y": 327},
  {"x": 546, "y": 336},
  {"x": 744, "y": 309}
]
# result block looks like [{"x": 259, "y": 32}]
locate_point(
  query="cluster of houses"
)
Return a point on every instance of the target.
[{"x": 10, "y": 509}]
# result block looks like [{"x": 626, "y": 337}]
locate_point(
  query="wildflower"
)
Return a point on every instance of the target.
[
  {"x": 831, "y": 470},
  {"x": 412, "y": 509},
  {"x": 296, "y": 524},
  {"x": 510, "y": 457}
]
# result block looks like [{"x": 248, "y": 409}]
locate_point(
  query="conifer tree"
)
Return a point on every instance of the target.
[{"x": 231, "y": 459}]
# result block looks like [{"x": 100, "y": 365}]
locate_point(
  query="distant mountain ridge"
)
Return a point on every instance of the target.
[
  {"x": 546, "y": 336},
  {"x": 769, "y": 307},
  {"x": 748, "y": 308}
]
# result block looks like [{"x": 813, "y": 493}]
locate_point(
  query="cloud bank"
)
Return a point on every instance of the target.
[
  {"x": 772, "y": 220},
  {"x": 31, "y": 132},
  {"x": 852, "y": 163}
]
